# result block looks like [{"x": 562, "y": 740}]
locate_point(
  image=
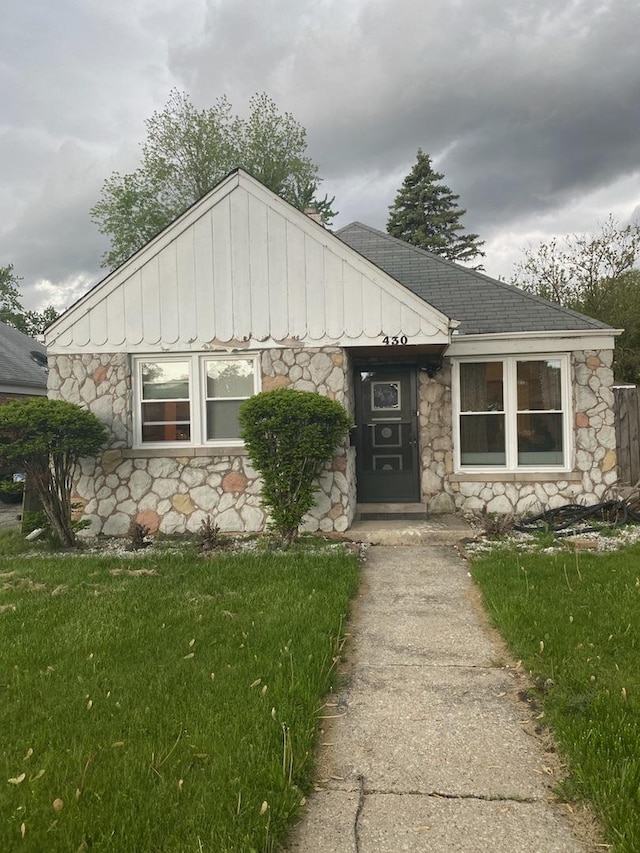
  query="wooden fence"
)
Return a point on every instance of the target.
[{"x": 627, "y": 412}]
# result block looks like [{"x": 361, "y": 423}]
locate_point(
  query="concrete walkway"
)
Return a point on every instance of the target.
[{"x": 425, "y": 749}]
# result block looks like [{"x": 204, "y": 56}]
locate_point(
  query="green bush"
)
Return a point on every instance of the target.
[
  {"x": 289, "y": 436},
  {"x": 45, "y": 439}
]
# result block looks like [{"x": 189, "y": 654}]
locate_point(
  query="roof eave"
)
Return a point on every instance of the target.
[{"x": 504, "y": 343}]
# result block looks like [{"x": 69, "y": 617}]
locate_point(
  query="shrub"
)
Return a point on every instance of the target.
[
  {"x": 45, "y": 439},
  {"x": 289, "y": 436}
]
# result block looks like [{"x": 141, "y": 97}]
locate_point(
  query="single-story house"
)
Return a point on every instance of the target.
[
  {"x": 465, "y": 391},
  {"x": 23, "y": 366}
]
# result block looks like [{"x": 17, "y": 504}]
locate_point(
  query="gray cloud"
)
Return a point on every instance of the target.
[{"x": 532, "y": 111}]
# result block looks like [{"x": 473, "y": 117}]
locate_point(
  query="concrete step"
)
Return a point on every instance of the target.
[
  {"x": 435, "y": 530},
  {"x": 391, "y": 512}
]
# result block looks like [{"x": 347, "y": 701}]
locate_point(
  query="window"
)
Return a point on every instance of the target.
[
  {"x": 191, "y": 399},
  {"x": 482, "y": 438},
  {"x": 166, "y": 407},
  {"x": 512, "y": 413},
  {"x": 228, "y": 383}
]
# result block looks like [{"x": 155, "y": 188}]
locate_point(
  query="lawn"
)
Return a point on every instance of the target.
[
  {"x": 164, "y": 702},
  {"x": 574, "y": 621}
]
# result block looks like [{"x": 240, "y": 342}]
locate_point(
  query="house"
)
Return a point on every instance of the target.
[
  {"x": 23, "y": 366},
  {"x": 466, "y": 392}
]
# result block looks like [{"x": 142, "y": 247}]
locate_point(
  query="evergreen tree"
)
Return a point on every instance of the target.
[{"x": 425, "y": 213}]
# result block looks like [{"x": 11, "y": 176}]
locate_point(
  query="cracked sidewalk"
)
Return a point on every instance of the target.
[{"x": 426, "y": 746}]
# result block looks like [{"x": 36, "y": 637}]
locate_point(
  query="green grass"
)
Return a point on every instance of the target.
[
  {"x": 165, "y": 702},
  {"x": 574, "y": 621}
]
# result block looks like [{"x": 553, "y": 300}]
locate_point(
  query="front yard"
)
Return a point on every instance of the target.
[
  {"x": 573, "y": 618},
  {"x": 165, "y": 701}
]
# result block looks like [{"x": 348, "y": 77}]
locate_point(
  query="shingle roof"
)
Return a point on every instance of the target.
[
  {"x": 17, "y": 364},
  {"x": 482, "y": 305}
]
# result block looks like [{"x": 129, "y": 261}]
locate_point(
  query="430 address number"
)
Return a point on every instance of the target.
[{"x": 395, "y": 340}]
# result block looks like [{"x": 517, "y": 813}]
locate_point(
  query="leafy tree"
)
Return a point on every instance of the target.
[
  {"x": 35, "y": 322},
  {"x": 187, "y": 151},
  {"x": 577, "y": 270},
  {"x": 425, "y": 213},
  {"x": 622, "y": 311},
  {"x": 45, "y": 439},
  {"x": 593, "y": 274},
  {"x": 11, "y": 309},
  {"x": 12, "y": 313},
  {"x": 289, "y": 436}
]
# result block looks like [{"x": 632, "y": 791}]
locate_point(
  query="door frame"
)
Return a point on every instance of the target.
[{"x": 410, "y": 370}]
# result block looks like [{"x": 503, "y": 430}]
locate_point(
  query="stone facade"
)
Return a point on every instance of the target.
[
  {"x": 175, "y": 492},
  {"x": 328, "y": 372},
  {"x": 436, "y": 439},
  {"x": 594, "y": 447}
]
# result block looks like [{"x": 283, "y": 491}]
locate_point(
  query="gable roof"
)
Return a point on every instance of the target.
[
  {"x": 20, "y": 370},
  {"x": 481, "y": 304},
  {"x": 239, "y": 267}
]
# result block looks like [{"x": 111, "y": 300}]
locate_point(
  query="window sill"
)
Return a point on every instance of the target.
[
  {"x": 516, "y": 477},
  {"x": 190, "y": 452}
]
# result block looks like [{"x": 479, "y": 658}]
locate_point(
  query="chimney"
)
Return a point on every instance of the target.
[{"x": 312, "y": 212}]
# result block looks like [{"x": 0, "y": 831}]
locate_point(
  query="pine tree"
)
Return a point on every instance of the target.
[{"x": 425, "y": 213}]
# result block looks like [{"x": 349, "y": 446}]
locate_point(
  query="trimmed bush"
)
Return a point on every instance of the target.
[
  {"x": 289, "y": 436},
  {"x": 45, "y": 439}
]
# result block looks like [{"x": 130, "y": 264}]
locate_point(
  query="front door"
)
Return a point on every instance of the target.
[{"x": 387, "y": 435}]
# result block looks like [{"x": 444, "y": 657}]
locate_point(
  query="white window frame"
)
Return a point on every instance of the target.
[
  {"x": 197, "y": 397},
  {"x": 510, "y": 402}
]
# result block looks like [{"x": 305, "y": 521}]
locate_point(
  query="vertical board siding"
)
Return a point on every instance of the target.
[
  {"x": 115, "y": 317},
  {"x": 314, "y": 281},
  {"x": 240, "y": 283},
  {"x": 278, "y": 296},
  {"x": 203, "y": 266},
  {"x": 334, "y": 293},
  {"x": 186, "y": 275},
  {"x": 257, "y": 323},
  {"x": 222, "y": 272},
  {"x": 427, "y": 328},
  {"x": 392, "y": 315},
  {"x": 246, "y": 268},
  {"x": 352, "y": 301},
  {"x": 409, "y": 322},
  {"x": 152, "y": 329},
  {"x": 627, "y": 417},
  {"x": 98, "y": 331},
  {"x": 133, "y": 308},
  {"x": 82, "y": 331},
  {"x": 371, "y": 309},
  {"x": 297, "y": 277},
  {"x": 168, "y": 290}
]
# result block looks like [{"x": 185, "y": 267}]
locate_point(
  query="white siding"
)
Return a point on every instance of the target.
[{"x": 242, "y": 268}]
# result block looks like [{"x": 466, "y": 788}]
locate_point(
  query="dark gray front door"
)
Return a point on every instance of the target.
[{"x": 387, "y": 435}]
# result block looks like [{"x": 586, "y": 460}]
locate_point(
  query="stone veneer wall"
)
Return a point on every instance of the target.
[
  {"x": 436, "y": 439},
  {"x": 328, "y": 372},
  {"x": 594, "y": 468},
  {"x": 174, "y": 492}
]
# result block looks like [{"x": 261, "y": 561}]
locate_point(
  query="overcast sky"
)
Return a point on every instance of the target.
[{"x": 531, "y": 109}]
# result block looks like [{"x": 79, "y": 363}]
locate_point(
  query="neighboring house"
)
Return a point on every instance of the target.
[
  {"x": 23, "y": 366},
  {"x": 466, "y": 392}
]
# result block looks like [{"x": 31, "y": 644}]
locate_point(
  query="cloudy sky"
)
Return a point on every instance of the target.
[{"x": 531, "y": 109}]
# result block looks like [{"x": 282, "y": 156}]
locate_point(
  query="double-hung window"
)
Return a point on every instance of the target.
[
  {"x": 513, "y": 413},
  {"x": 191, "y": 399}
]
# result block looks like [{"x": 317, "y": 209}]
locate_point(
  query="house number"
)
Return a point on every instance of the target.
[{"x": 395, "y": 340}]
